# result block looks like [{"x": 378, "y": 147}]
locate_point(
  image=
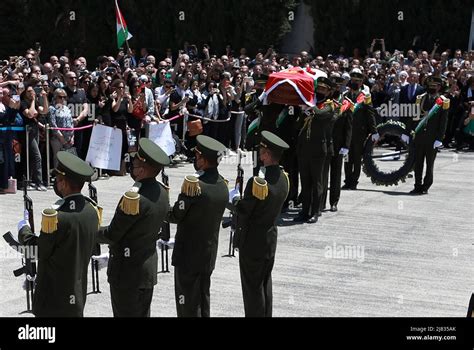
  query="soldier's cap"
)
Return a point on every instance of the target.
[
  {"x": 357, "y": 74},
  {"x": 273, "y": 142},
  {"x": 325, "y": 82},
  {"x": 337, "y": 80},
  {"x": 150, "y": 152},
  {"x": 72, "y": 167},
  {"x": 209, "y": 147},
  {"x": 432, "y": 80}
]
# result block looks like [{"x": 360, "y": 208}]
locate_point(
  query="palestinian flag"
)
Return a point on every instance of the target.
[
  {"x": 122, "y": 30},
  {"x": 294, "y": 86}
]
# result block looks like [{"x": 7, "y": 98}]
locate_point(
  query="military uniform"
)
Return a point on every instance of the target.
[
  {"x": 288, "y": 131},
  {"x": 198, "y": 213},
  {"x": 314, "y": 143},
  {"x": 363, "y": 125},
  {"x": 341, "y": 136},
  {"x": 256, "y": 232},
  {"x": 427, "y": 134},
  {"x": 132, "y": 237},
  {"x": 65, "y": 246}
]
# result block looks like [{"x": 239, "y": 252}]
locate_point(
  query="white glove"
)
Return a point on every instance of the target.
[
  {"x": 406, "y": 139},
  {"x": 437, "y": 144},
  {"x": 375, "y": 137},
  {"x": 344, "y": 151},
  {"x": 25, "y": 221}
]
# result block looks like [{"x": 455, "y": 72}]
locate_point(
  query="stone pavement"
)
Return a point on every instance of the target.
[{"x": 384, "y": 253}]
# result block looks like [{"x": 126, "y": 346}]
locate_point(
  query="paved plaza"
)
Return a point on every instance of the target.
[{"x": 385, "y": 253}]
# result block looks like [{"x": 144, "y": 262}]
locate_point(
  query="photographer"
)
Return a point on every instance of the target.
[
  {"x": 34, "y": 102},
  {"x": 162, "y": 97}
]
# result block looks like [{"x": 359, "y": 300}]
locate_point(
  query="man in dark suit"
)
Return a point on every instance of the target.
[
  {"x": 198, "y": 213},
  {"x": 256, "y": 233},
  {"x": 133, "y": 233},
  {"x": 411, "y": 91}
]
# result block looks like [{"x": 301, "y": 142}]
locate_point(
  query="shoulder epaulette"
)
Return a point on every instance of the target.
[
  {"x": 368, "y": 99},
  {"x": 446, "y": 102},
  {"x": 49, "y": 221},
  {"x": 190, "y": 186},
  {"x": 260, "y": 188},
  {"x": 130, "y": 203}
]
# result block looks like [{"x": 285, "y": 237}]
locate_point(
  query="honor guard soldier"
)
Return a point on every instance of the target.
[
  {"x": 429, "y": 133},
  {"x": 256, "y": 233},
  {"x": 133, "y": 233},
  {"x": 363, "y": 125},
  {"x": 341, "y": 136},
  {"x": 66, "y": 242},
  {"x": 198, "y": 213},
  {"x": 314, "y": 142}
]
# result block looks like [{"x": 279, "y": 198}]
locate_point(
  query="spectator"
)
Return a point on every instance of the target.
[
  {"x": 122, "y": 107},
  {"x": 34, "y": 103},
  {"x": 60, "y": 116},
  {"x": 77, "y": 102},
  {"x": 8, "y": 110}
]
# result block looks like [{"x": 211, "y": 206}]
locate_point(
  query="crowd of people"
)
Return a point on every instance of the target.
[{"x": 130, "y": 90}]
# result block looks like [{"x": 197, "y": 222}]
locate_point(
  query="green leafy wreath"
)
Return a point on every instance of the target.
[{"x": 371, "y": 169}]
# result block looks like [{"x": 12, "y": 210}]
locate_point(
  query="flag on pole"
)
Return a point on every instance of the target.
[{"x": 122, "y": 29}]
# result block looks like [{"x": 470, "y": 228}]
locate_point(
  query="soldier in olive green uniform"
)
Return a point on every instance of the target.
[
  {"x": 363, "y": 125},
  {"x": 65, "y": 244},
  {"x": 314, "y": 142},
  {"x": 341, "y": 136},
  {"x": 198, "y": 213},
  {"x": 133, "y": 233},
  {"x": 256, "y": 233},
  {"x": 430, "y": 134}
]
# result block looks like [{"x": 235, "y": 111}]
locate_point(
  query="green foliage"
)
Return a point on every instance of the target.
[
  {"x": 354, "y": 23},
  {"x": 154, "y": 24}
]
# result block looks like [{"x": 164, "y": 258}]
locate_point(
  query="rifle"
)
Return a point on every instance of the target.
[
  {"x": 165, "y": 232},
  {"x": 96, "y": 252},
  {"x": 232, "y": 223},
  {"x": 28, "y": 260}
]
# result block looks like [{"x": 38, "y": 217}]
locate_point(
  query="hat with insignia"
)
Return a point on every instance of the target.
[
  {"x": 432, "y": 80},
  {"x": 336, "y": 79},
  {"x": 357, "y": 73},
  {"x": 209, "y": 147},
  {"x": 72, "y": 167},
  {"x": 150, "y": 152},
  {"x": 273, "y": 142},
  {"x": 325, "y": 82}
]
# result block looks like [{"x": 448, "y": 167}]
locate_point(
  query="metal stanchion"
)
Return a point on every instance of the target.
[
  {"x": 27, "y": 137},
  {"x": 48, "y": 155}
]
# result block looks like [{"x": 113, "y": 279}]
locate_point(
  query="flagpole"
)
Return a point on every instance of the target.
[{"x": 121, "y": 22}]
